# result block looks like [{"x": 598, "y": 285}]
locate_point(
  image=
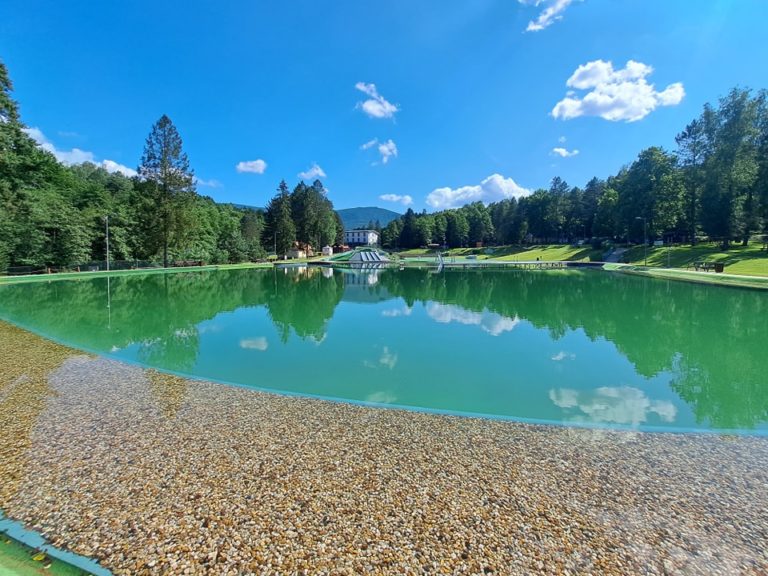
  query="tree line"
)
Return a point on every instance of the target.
[
  {"x": 52, "y": 215},
  {"x": 713, "y": 186}
]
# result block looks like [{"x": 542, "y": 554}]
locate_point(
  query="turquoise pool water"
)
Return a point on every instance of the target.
[{"x": 567, "y": 347}]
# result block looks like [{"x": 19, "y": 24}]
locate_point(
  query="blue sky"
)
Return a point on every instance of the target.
[{"x": 438, "y": 102}]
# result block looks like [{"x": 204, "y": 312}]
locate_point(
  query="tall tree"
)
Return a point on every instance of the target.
[
  {"x": 728, "y": 201},
  {"x": 479, "y": 220},
  {"x": 456, "y": 228},
  {"x": 607, "y": 216},
  {"x": 408, "y": 232},
  {"x": 691, "y": 144},
  {"x": 325, "y": 226},
  {"x": 16, "y": 170},
  {"x": 651, "y": 190},
  {"x": 390, "y": 236},
  {"x": 251, "y": 228},
  {"x": 592, "y": 193},
  {"x": 762, "y": 159},
  {"x": 280, "y": 230},
  {"x": 169, "y": 180}
]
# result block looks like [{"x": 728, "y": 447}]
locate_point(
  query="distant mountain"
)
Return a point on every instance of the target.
[
  {"x": 247, "y": 207},
  {"x": 358, "y": 217}
]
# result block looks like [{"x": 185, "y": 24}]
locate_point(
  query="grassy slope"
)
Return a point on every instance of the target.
[
  {"x": 517, "y": 253},
  {"x": 749, "y": 260},
  {"x": 549, "y": 252}
]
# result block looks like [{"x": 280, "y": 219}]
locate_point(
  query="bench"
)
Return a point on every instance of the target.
[{"x": 717, "y": 267}]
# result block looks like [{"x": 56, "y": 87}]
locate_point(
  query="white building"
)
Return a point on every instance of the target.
[{"x": 361, "y": 237}]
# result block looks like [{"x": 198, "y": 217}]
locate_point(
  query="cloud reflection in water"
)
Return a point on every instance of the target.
[{"x": 617, "y": 405}]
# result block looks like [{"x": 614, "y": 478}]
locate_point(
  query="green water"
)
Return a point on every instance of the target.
[{"x": 578, "y": 347}]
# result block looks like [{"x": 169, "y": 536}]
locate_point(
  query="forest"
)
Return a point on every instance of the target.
[
  {"x": 714, "y": 186},
  {"x": 56, "y": 216}
]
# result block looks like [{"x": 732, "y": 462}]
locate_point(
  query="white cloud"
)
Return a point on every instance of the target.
[
  {"x": 615, "y": 95},
  {"x": 208, "y": 183},
  {"x": 492, "y": 189},
  {"x": 552, "y": 13},
  {"x": 387, "y": 150},
  {"x": 560, "y": 356},
  {"x": 405, "y": 199},
  {"x": 564, "y": 152},
  {"x": 312, "y": 173},
  {"x": 620, "y": 405},
  {"x": 490, "y": 322},
  {"x": 257, "y": 166},
  {"x": 561, "y": 139},
  {"x": 76, "y": 155},
  {"x": 376, "y": 106},
  {"x": 259, "y": 344},
  {"x": 73, "y": 156},
  {"x": 111, "y": 166}
]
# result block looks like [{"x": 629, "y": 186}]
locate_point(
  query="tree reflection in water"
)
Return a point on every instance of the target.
[{"x": 709, "y": 339}]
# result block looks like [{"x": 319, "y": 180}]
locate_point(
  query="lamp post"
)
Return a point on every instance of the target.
[{"x": 645, "y": 238}]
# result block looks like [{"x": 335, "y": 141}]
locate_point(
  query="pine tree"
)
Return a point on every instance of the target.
[
  {"x": 280, "y": 232},
  {"x": 692, "y": 146},
  {"x": 169, "y": 181}
]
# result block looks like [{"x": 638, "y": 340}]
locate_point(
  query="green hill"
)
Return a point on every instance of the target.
[{"x": 359, "y": 217}]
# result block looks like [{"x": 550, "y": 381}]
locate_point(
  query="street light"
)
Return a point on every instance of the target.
[{"x": 645, "y": 239}]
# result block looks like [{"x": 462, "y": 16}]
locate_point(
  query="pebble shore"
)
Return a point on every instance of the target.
[{"x": 155, "y": 474}]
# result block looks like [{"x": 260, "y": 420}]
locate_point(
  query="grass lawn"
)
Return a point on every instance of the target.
[
  {"x": 749, "y": 260},
  {"x": 548, "y": 252},
  {"x": 415, "y": 252},
  {"x": 516, "y": 253}
]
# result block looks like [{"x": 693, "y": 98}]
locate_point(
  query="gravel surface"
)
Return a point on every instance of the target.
[{"x": 155, "y": 474}]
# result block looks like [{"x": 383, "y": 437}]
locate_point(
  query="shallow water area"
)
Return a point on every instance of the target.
[
  {"x": 581, "y": 348},
  {"x": 150, "y": 473}
]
